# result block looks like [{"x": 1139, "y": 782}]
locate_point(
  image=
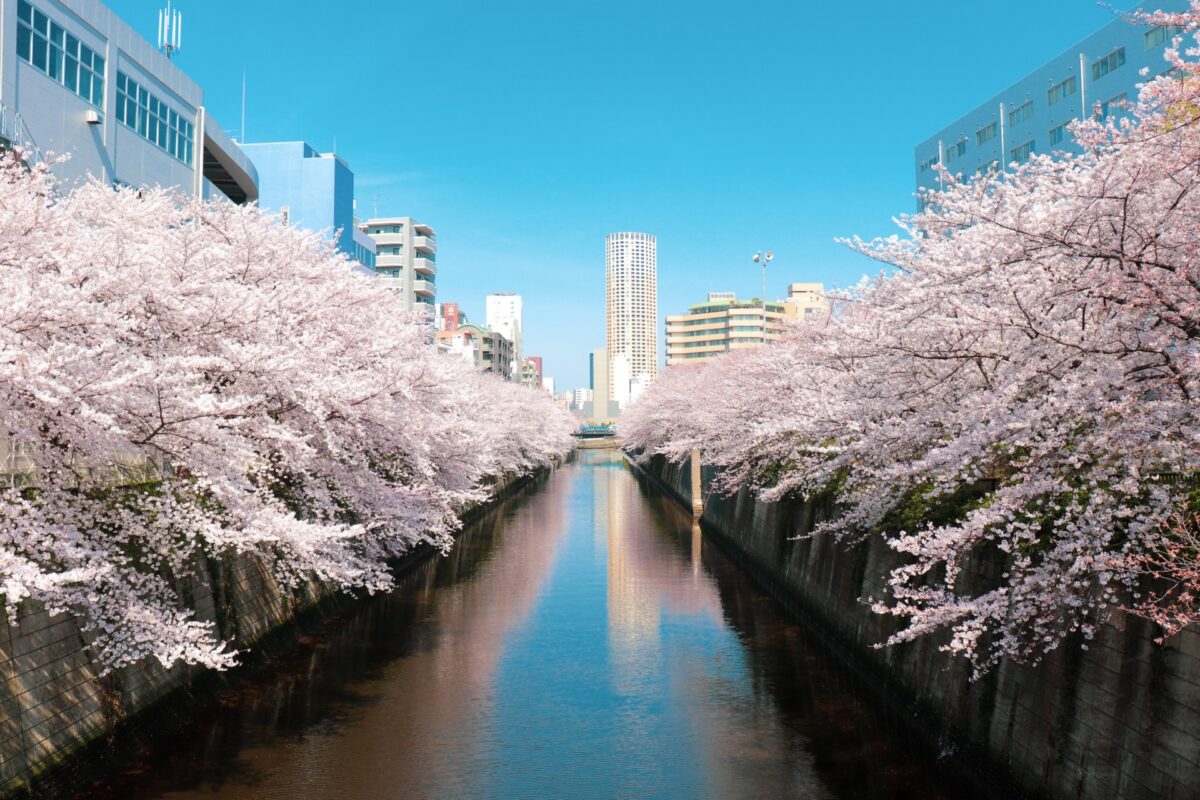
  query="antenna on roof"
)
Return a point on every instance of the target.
[{"x": 170, "y": 30}]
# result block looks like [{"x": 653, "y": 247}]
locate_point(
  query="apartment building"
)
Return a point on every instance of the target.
[
  {"x": 720, "y": 324},
  {"x": 406, "y": 254}
]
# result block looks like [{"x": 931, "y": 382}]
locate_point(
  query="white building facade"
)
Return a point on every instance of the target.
[
  {"x": 631, "y": 303},
  {"x": 76, "y": 80},
  {"x": 1092, "y": 77},
  {"x": 504, "y": 312}
]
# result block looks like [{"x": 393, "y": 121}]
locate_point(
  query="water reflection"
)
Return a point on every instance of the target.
[{"x": 580, "y": 642}]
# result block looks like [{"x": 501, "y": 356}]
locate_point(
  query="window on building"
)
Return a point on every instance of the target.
[
  {"x": 988, "y": 166},
  {"x": 1020, "y": 113},
  {"x": 45, "y": 45},
  {"x": 1161, "y": 34},
  {"x": 1110, "y": 63},
  {"x": 1058, "y": 135},
  {"x": 152, "y": 119},
  {"x": 929, "y": 163},
  {"x": 1021, "y": 153},
  {"x": 1112, "y": 105},
  {"x": 986, "y": 133},
  {"x": 1062, "y": 91}
]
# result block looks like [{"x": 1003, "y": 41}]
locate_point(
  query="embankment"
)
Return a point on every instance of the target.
[
  {"x": 1117, "y": 721},
  {"x": 55, "y": 706}
]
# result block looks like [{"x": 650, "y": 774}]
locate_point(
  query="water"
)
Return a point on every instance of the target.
[{"x": 581, "y": 642}]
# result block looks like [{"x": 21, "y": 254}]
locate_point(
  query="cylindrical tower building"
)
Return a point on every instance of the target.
[{"x": 631, "y": 289}]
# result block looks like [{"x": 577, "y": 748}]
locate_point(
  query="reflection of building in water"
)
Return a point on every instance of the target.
[
  {"x": 649, "y": 575},
  {"x": 633, "y": 612}
]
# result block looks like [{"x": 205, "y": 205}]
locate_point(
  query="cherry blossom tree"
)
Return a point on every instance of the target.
[
  {"x": 190, "y": 379},
  {"x": 1023, "y": 373}
]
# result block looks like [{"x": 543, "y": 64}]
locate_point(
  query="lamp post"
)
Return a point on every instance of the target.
[{"x": 763, "y": 258}]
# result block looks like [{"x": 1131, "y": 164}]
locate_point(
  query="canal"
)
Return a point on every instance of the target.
[{"x": 581, "y": 641}]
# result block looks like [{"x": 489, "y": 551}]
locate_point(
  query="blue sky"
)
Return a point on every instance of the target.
[{"x": 525, "y": 131}]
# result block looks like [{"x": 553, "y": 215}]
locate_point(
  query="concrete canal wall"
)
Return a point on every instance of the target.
[
  {"x": 1119, "y": 721},
  {"x": 53, "y": 701}
]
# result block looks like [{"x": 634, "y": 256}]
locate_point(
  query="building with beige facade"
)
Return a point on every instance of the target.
[
  {"x": 406, "y": 256},
  {"x": 631, "y": 303},
  {"x": 805, "y": 301},
  {"x": 720, "y": 324}
]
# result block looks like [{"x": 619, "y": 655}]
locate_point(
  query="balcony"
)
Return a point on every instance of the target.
[
  {"x": 425, "y": 244},
  {"x": 420, "y": 229},
  {"x": 425, "y": 288},
  {"x": 388, "y": 239},
  {"x": 425, "y": 265}
]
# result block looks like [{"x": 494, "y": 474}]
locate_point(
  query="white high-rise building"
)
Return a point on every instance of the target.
[
  {"x": 631, "y": 291},
  {"x": 620, "y": 379},
  {"x": 504, "y": 317}
]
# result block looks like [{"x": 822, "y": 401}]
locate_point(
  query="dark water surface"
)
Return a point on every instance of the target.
[{"x": 580, "y": 642}]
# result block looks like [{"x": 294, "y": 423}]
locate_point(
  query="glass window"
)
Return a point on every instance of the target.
[
  {"x": 1109, "y": 63},
  {"x": 1061, "y": 91},
  {"x": 1112, "y": 105},
  {"x": 1161, "y": 34},
  {"x": 1022, "y": 152},
  {"x": 1020, "y": 113},
  {"x": 47, "y": 46},
  {"x": 986, "y": 133},
  {"x": 1057, "y": 135}
]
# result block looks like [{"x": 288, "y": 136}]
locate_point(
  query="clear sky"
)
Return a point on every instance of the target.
[{"x": 524, "y": 131}]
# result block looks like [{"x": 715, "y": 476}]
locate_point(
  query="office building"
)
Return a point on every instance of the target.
[
  {"x": 503, "y": 313},
  {"x": 805, "y": 301},
  {"x": 311, "y": 190},
  {"x": 631, "y": 302},
  {"x": 601, "y": 407},
  {"x": 77, "y": 80},
  {"x": 1031, "y": 116},
  {"x": 406, "y": 255},
  {"x": 548, "y": 385},
  {"x": 721, "y": 324},
  {"x": 580, "y": 398}
]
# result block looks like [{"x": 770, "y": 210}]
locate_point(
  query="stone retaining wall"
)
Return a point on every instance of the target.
[
  {"x": 53, "y": 701},
  {"x": 1119, "y": 721}
]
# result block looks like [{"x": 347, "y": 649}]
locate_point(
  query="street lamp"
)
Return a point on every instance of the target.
[{"x": 763, "y": 259}]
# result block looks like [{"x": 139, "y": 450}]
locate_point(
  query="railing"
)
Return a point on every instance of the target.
[{"x": 16, "y": 135}]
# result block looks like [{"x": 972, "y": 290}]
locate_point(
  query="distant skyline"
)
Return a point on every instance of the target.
[{"x": 525, "y": 132}]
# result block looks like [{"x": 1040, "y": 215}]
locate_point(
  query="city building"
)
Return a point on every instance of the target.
[
  {"x": 1032, "y": 115},
  {"x": 631, "y": 302},
  {"x": 580, "y": 398},
  {"x": 548, "y": 385},
  {"x": 406, "y": 254},
  {"x": 503, "y": 313},
  {"x": 495, "y": 351},
  {"x": 459, "y": 343},
  {"x": 620, "y": 376},
  {"x": 601, "y": 407},
  {"x": 724, "y": 323},
  {"x": 805, "y": 301},
  {"x": 532, "y": 370},
  {"x": 448, "y": 317},
  {"x": 81, "y": 82},
  {"x": 638, "y": 387},
  {"x": 311, "y": 190}
]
